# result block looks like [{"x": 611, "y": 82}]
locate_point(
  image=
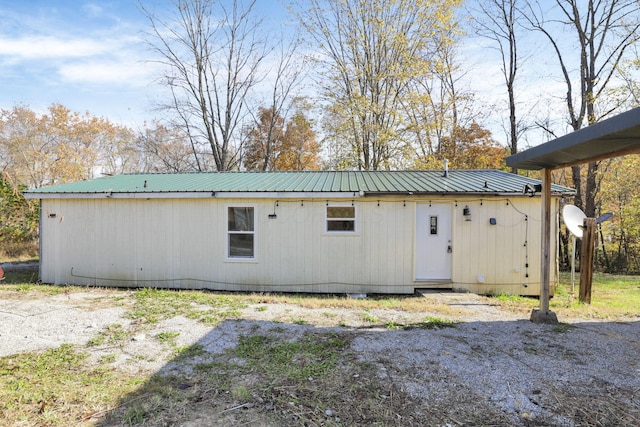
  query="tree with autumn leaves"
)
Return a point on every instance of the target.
[
  {"x": 57, "y": 146},
  {"x": 271, "y": 144}
]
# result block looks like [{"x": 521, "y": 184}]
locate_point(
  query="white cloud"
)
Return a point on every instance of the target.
[
  {"x": 46, "y": 47},
  {"x": 125, "y": 72}
]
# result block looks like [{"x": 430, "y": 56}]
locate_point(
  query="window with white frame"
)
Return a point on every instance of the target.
[
  {"x": 341, "y": 219},
  {"x": 240, "y": 232}
]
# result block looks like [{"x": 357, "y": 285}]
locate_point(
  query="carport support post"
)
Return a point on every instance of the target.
[{"x": 543, "y": 315}]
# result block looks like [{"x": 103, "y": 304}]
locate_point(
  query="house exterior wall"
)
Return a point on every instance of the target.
[{"x": 182, "y": 243}]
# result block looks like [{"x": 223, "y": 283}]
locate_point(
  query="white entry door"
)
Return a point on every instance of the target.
[{"x": 433, "y": 242}]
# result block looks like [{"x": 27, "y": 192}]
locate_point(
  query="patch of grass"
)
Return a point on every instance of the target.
[
  {"x": 299, "y": 321},
  {"x": 153, "y": 305},
  {"x": 26, "y": 287},
  {"x": 168, "y": 338},
  {"x": 409, "y": 303},
  {"x": 56, "y": 387},
  {"x": 563, "y": 327},
  {"x": 20, "y": 277},
  {"x": 312, "y": 381},
  {"x": 313, "y": 356},
  {"x": 189, "y": 352},
  {"x": 391, "y": 325},
  {"x": 369, "y": 318},
  {"x": 433, "y": 323},
  {"x": 612, "y": 298},
  {"x": 111, "y": 335},
  {"x": 241, "y": 393},
  {"x": 109, "y": 358}
]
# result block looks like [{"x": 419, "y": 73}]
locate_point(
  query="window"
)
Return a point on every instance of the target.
[
  {"x": 341, "y": 219},
  {"x": 433, "y": 225},
  {"x": 241, "y": 232}
]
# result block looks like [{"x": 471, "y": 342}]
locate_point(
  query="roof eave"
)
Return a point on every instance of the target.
[{"x": 616, "y": 136}]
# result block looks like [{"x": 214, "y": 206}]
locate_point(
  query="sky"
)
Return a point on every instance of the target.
[{"x": 90, "y": 56}]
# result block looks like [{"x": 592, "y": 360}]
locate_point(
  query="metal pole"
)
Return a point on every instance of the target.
[{"x": 573, "y": 263}]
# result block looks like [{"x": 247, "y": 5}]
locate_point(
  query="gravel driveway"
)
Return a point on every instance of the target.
[{"x": 493, "y": 362}]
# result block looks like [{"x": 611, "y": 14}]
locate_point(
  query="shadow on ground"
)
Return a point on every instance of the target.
[{"x": 513, "y": 373}]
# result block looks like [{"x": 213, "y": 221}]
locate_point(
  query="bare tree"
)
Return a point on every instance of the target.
[
  {"x": 498, "y": 20},
  {"x": 164, "y": 149},
  {"x": 212, "y": 53},
  {"x": 604, "y": 30}
]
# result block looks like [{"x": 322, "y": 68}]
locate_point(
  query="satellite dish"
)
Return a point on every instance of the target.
[{"x": 574, "y": 219}]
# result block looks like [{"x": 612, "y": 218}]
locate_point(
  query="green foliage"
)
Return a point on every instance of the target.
[
  {"x": 18, "y": 216},
  {"x": 619, "y": 243}
]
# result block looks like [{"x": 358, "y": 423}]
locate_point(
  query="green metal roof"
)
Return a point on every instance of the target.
[{"x": 369, "y": 182}]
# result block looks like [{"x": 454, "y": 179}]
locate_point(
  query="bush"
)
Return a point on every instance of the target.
[{"x": 18, "y": 216}]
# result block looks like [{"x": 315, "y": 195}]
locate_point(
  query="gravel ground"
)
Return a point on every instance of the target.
[{"x": 517, "y": 372}]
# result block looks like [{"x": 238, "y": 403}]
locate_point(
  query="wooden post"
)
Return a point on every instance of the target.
[
  {"x": 586, "y": 259},
  {"x": 544, "y": 315},
  {"x": 546, "y": 240}
]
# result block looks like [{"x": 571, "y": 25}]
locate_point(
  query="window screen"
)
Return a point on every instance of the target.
[
  {"x": 241, "y": 232},
  {"x": 341, "y": 219}
]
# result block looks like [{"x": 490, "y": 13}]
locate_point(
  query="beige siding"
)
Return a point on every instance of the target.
[
  {"x": 182, "y": 243},
  {"x": 505, "y": 255}
]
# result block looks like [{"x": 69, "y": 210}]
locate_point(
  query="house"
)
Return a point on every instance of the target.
[{"x": 321, "y": 231}]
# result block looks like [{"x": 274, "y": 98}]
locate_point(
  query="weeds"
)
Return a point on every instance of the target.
[
  {"x": 113, "y": 335},
  {"x": 168, "y": 338},
  {"x": 154, "y": 305},
  {"x": 563, "y": 327},
  {"x": 314, "y": 380},
  {"x": 433, "y": 323},
  {"x": 56, "y": 387}
]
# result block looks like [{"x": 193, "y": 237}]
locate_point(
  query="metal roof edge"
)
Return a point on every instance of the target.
[{"x": 122, "y": 195}]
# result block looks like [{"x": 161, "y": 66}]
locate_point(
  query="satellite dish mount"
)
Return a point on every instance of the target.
[{"x": 573, "y": 218}]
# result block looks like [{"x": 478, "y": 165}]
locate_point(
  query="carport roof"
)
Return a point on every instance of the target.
[{"x": 613, "y": 137}]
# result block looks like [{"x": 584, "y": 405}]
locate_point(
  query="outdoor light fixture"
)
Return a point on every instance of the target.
[{"x": 467, "y": 213}]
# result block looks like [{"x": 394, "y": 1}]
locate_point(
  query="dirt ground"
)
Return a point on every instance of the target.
[{"x": 493, "y": 367}]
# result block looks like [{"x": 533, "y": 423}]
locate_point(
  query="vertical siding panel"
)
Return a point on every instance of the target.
[
  {"x": 397, "y": 245},
  {"x": 409, "y": 224},
  {"x": 323, "y": 263},
  {"x": 386, "y": 257},
  {"x": 375, "y": 237},
  {"x": 369, "y": 231},
  {"x": 311, "y": 235}
]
